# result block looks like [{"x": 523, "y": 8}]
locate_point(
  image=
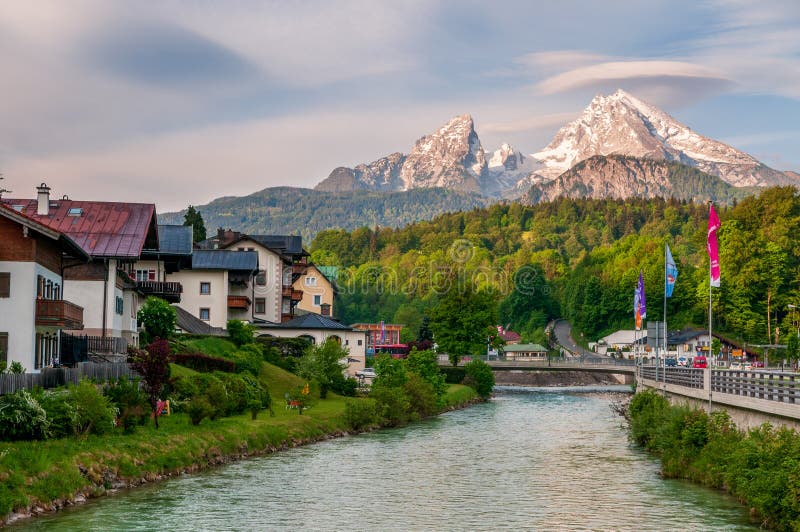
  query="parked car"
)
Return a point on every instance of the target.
[
  {"x": 683, "y": 361},
  {"x": 747, "y": 366},
  {"x": 758, "y": 364},
  {"x": 700, "y": 362},
  {"x": 670, "y": 362},
  {"x": 736, "y": 365},
  {"x": 366, "y": 373}
]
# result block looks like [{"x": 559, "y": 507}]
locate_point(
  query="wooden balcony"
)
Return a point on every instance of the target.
[
  {"x": 58, "y": 313},
  {"x": 239, "y": 302},
  {"x": 291, "y": 293},
  {"x": 299, "y": 269},
  {"x": 169, "y": 291}
]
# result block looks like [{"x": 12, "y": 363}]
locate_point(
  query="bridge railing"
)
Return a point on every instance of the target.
[{"x": 781, "y": 387}]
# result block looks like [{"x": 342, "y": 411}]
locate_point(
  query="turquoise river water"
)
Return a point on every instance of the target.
[{"x": 532, "y": 458}]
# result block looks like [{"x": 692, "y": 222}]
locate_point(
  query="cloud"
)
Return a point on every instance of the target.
[
  {"x": 560, "y": 59},
  {"x": 544, "y": 121},
  {"x": 620, "y": 71}
]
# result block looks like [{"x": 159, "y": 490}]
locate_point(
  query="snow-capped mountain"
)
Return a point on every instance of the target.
[
  {"x": 451, "y": 157},
  {"x": 617, "y": 124},
  {"x": 624, "y": 125}
]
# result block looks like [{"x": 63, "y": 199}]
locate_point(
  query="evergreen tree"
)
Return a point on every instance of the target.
[{"x": 195, "y": 219}]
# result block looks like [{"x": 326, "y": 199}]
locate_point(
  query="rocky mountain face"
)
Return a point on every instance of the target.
[
  {"x": 624, "y": 125},
  {"x": 618, "y": 176},
  {"x": 451, "y": 157},
  {"x": 618, "y": 124}
]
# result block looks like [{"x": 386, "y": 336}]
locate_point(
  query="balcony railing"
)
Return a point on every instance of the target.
[
  {"x": 294, "y": 295},
  {"x": 170, "y": 291},
  {"x": 58, "y": 313},
  {"x": 299, "y": 269},
  {"x": 239, "y": 302}
]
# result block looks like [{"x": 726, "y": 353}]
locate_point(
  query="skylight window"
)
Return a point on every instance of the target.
[
  {"x": 17, "y": 208},
  {"x": 75, "y": 211}
]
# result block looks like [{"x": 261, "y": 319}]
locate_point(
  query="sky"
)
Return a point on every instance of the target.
[{"x": 180, "y": 102}]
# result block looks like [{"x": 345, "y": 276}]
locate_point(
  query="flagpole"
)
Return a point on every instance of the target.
[
  {"x": 710, "y": 286},
  {"x": 665, "y": 313}
]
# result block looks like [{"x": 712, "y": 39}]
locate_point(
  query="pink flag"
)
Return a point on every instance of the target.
[{"x": 713, "y": 251}]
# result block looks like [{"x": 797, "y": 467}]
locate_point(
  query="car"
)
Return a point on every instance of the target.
[
  {"x": 700, "y": 362},
  {"x": 683, "y": 361},
  {"x": 366, "y": 373},
  {"x": 747, "y": 366},
  {"x": 736, "y": 365},
  {"x": 758, "y": 364},
  {"x": 670, "y": 362}
]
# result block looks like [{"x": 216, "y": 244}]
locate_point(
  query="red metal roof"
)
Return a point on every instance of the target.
[{"x": 103, "y": 229}]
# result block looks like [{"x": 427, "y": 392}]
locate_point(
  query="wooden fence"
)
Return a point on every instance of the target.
[{"x": 55, "y": 377}]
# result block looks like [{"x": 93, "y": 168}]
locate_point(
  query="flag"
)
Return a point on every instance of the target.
[
  {"x": 713, "y": 251},
  {"x": 636, "y": 309},
  {"x": 383, "y": 332},
  {"x": 642, "y": 303},
  {"x": 672, "y": 274}
]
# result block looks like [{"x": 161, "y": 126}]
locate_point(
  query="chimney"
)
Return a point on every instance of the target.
[{"x": 43, "y": 200}]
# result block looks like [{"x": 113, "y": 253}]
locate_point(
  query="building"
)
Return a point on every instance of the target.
[
  {"x": 317, "y": 329},
  {"x": 281, "y": 262},
  {"x": 114, "y": 235},
  {"x": 219, "y": 286},
  {"x": 509, "y": 337},
  {"x": 525, "y": 352},
  {"x": 319, "y": 290},
  {"x": 379, "y": 334},
  {"x": 35, "y": 305}
]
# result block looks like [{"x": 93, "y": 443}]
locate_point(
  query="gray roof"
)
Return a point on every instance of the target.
[
  {"x": 525, "y": 348},
  {"x": 194, "y": 325},
  {"x": 287, "y": 244},
  {"x": 175, "y": 239},
  {"x": 312, "y": 321},
  {"x": 222, "y": 259}
]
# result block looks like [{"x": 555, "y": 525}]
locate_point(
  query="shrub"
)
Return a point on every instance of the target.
[
  {"x": 236, "y": 393},
  {"x": 392, "y": 403},
  {"x": 425, "y": 364},
  {"x": 480, "y": 377},
  {"x": 130, "y": 401},
  {"x": 274, "y": 357},
  {"x": 240, "y": 332},
  {"x": 453, "y": 375},
  {"x": 60, "y": 412},
  {"x": 94, "y": 412},
  {"x": 286, "y": 347},
  {"x": 361, "y": 414},
  {"x": 158, "y": 318},
  {"x": 198, "y": 409},
  {"x": 421, "y": 395},
  {"x": 16, "y": 368},
  {"x": 22, "y": 418},
  {"x": 248, "y": 359},
  {"x": 204, "y": 363}
]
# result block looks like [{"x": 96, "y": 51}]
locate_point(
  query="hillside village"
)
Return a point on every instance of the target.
[{"x": 74, "y": 274}]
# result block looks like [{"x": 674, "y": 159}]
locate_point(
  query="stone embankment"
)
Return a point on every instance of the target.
[{"x": 554, "y": 378}]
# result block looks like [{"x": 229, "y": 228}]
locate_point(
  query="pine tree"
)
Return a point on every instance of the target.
[{"x": 195, "y": 219}]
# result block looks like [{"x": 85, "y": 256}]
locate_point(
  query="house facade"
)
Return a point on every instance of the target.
[
  {"x": 34, "y": 303},
  {"x": 525, "y": 352},
  {"x": 318, "y": 291}
]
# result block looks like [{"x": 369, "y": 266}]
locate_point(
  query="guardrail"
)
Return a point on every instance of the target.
[{"x": 781, "y": 387}]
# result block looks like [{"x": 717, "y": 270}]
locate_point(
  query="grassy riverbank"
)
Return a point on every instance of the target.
[
  {"x": 39, "y": 476},
  {"x": 760, "y": 467}
]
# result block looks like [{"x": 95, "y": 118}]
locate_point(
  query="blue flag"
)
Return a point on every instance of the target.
[{"x": 672, "y": 274}]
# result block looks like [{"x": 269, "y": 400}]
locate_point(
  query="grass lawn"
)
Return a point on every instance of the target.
[{"x": 40, "y": 472}]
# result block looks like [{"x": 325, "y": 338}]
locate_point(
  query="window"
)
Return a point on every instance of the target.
[
  {"x": 3, "y": 348},
  {"x": 145, "y": 275},
  {"x": 120, "y": 305},
  {"x": 75, "y": 211},
  {"x": 5, "y": 284},
  {"x": 56, "y": 291},
  {"x": 261, "y": 305},
  {"x": 205, "y": 288},
  {"x": 261, "y": 278},
  {"x": 317, "y": 300},
  {"x": 311, "y": 281},
  {"x": 359, "y": 342},
  {"x": 205, "y": 314}
]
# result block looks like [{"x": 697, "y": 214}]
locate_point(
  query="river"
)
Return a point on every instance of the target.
[{"x": 531, "y": 458}]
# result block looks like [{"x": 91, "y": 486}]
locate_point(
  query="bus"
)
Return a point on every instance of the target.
[{"x": 393, "y": 350}]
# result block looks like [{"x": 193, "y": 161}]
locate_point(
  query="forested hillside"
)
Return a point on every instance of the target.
[
  {"x": 579, "y": 259},
  {"x": 305, "y": 212}
]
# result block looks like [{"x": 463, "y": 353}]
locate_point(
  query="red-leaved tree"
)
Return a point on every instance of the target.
[{"x": 152, "y": 363}]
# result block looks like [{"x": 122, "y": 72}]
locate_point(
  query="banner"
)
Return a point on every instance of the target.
[
  {"x": 642, "y": 303},
  {"x": 636, "y": 316},
  {"x": 672, "y": 274},
  {"x": 713, "y": 251}
]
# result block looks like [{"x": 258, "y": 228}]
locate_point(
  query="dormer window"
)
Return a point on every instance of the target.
[
  {"x": 18, "y": 208},
  {"x": 75, "y": 211}
]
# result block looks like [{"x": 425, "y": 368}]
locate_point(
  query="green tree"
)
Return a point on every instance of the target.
[
  {"x": 792, "y": 347},
  {"x": 480, "y": 377},
  {"x": 461, "y": 319},
  {"x": 322, "y": 363},
  {"x": 195, "y": 219},
  {"x": 425, "y": 364},
  {"x": 240, "y": 332},
  {"x": 158, "y": 319}
]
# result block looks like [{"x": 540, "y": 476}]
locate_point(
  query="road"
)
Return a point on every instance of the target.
[{"x": 562, "y": 330}]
